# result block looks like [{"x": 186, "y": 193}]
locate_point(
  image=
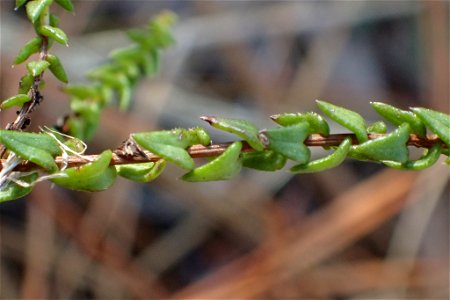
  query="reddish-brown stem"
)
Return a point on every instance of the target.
[{"x": 199, "y": 151}]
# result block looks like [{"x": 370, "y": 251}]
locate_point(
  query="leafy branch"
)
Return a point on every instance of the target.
[
  {"x": 59, "y": 155},
  {"x": 134, "y": 156},
  {"x": 45, "y": 25}
]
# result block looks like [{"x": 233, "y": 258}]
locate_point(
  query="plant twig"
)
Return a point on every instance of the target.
[
  {"x": 23, "y": 118},
  {"x": 121, "y": 157}
]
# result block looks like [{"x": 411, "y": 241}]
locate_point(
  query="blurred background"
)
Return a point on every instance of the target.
[{"x": 356, "y": 231}]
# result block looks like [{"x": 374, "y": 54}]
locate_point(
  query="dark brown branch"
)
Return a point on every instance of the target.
[{"x": 199, "y": 151}]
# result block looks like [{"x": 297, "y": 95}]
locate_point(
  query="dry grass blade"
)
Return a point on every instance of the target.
[{"x": 348, "y": 218}]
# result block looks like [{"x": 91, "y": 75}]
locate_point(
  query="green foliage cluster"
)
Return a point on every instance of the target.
[
  {"x": 268, "y": 149},
  {"x": 118, "y": 76},
  {"x": 47, "y": 30}
]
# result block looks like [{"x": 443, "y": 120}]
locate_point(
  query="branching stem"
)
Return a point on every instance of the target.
[{"x": 199, "y": 151}]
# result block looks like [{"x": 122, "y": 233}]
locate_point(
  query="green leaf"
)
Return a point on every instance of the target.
[
  {"x": 439, "y": 123},
  {"x": 31, "y": 47},
  {"x": 390, "y": 147},
  {"x": 223, "y": 167},
  {"x": 427, "y": 160},
  {"x": 54, "y": 33},
  {"x": 78, "y": 128},
  {"x": 288, "y": 141},
  {"x": 142, "y": 37},
  {"x": 377, "y": 127},
  {"x": 20, "y": 3},
  {"x": 57, "y": 68},
  {"x": 331, "y": 161},
  {"x": 242, "y": 128},
  {"x": 124, "y": 98},
  {"x": 347, "y": 118},
  {"x": 150, "y": 62},
  {"x": 14, "y": 191},
  {"x": 159, "y": 27},
  {"x": 126, "y": 53},
  {"x": 37, "y": 140},
  {"x": 165, "y": 18},
  {"x": 144, "y": 172},
  {"x": 171, "y": 144},
  {"x": 82, "y": 91},
  {"x": 397, "y": 117},
  {"x": 25, "y": 83},
  {"x": 75, "y": 144},
  {"x": 36, "y": 7},
  {"x": 264, "y": 160},
  {"x": 88, "y": 116},
  {"x": 92, "y": 177},
  {"x": 35, "y": 68},
  {"x": 37, "y": 148},
  {"x": 66, "y": 4},
  {"x": 54, "y": 20},
  {"x": 317, "y": 124},
  {"x": 119, "y": 81},
  {"x": 16, "y": 100}
]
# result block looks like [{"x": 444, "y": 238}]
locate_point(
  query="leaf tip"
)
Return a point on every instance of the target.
[
  {"x": 209, "y": 119},
  {"x": 274, "y": 117}
]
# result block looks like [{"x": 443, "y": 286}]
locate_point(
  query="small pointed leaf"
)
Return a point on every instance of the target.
[
  {"x": 35, "y": 68},
  {"x": 16, "y": 100},
  {"x": 225, "y": 166},
  {"x": 31, "y": 47},
  {"x": 264, "y": 160},
  {"x": 347, "y": 118},
  {"x": 171, "y": 144},
  {"x": 288, "y": 141},
  {"x": 25, "y": 83},
  {"x": 14, "y": 191},
  {"x": 317, "y": 123},
  {"x": 19, "y": 3},
  {"x": 54, "y": 33},
  {"x": 377, "y": 127},
  {"x": 37, "y": 148},
  {"x": 390, "y": 147},
  {"x": 144, "y": 172},
  {"x": 66, "y": 4},
  {"x": 36, "y": 7},
  {"x": 426, "y": 161},
  {"x": 331, "y": 161},
  {"x": 439, "y": 123},
  {"x": 397, "y": 116},
  {"x": 57, "y": 68},
  {"x": 242, "y": 128},
  {"x": 92, "y": 177}
]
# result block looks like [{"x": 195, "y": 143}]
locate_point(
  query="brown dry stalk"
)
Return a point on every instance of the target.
[{"x": 197, "y": 151}]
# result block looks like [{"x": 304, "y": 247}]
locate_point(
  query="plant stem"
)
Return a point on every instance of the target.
[
  {"x": 23, "y": 118},
  {"x": 199, "y": 151}
]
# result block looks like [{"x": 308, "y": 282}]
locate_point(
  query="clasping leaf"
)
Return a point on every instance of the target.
[
  {"x": 439, "y": 123},
  {"x": 14, "y": 191},
  {"x": 143, "y": 172},
  {"x": 347, "y": 118},
  {"x": 172, "y": 144},
  {"x": 38, "y": 148},
  {"x": 288, "y": 141},
  {"x": 225, "y": 166},
  {"x": 94, "y": 176},
  {"x": 390, "y": 147},
  {"x": 242, "y": 128}
]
